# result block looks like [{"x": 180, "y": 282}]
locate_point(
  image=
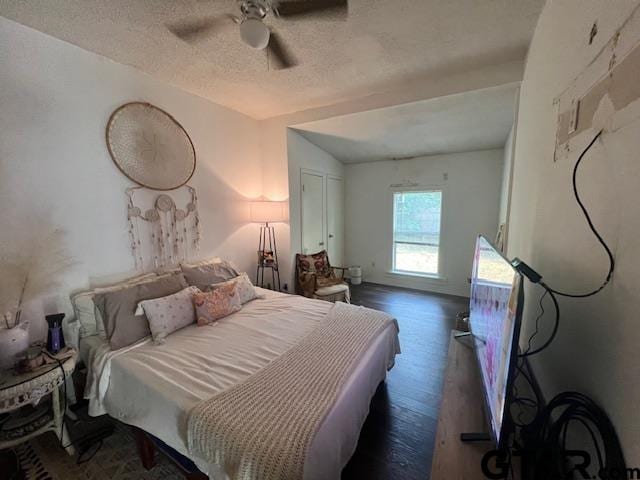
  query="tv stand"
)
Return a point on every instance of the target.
[
  {"x": 461, "y": 410},
  {"x": 461, "y": 334},
  {"x": 475, "y": 437}
]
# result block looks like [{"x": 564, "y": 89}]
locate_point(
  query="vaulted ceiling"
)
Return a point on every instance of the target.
[
  {"x": 382, "y": 44},
  {"x": 477, "y": 120}
]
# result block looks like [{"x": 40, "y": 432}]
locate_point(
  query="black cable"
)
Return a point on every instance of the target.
[
  {"x": 593, "y": 439},
  {"x": 556, "y": 325},
  {"x": 537, "y": 321},
  {"x": 547, "y": 438},
  {"x": 523, "y": 402},
  {"x": 591, "y": 226},
  {"x": 534, "y": 277}
]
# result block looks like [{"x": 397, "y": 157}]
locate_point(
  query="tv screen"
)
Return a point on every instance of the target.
[{"x": 494, "y": 318}]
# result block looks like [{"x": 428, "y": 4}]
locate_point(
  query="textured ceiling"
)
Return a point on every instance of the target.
[
  {"x": 383, "y": 44},
  {"x": 468, "y": 121}
]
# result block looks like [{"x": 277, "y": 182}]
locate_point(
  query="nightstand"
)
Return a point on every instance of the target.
[{"x": 18, "y": 391}]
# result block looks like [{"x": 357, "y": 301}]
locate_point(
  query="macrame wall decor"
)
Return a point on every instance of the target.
[
  {"x": 151, "y": 148},
  {"x": 162, "y": 234}
]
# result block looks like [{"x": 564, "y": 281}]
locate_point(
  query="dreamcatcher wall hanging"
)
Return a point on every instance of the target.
[
  {"x": 151, "y": 148},
  {"x": 163, "y": 234}
]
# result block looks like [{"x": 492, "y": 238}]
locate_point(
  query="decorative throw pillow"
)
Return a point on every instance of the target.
[
  {"x": 206, "y": 273},
  {"x": 315, "y": 263},
  {"x": 218, "y": 303},
  {"x": 244, "y": 287},
  {"x": 170, "y": 313},
  {"x": 118, "y": 308}
]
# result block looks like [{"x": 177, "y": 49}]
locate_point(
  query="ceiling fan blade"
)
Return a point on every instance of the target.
[
  {"x": 279, "y": 53},
  {"x": 193, "y": 30},
  {"x": 299, "y": 8}
]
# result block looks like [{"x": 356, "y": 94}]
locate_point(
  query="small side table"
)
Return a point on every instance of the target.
[{"x": 19, "y": 390}]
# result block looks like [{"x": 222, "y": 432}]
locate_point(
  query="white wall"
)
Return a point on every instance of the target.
[
  {"x": 303, "y": 154},
  {"x": 596, "y": 350},
  {"x": 470, "y": 207},
  {"x": 505, "y": 185},
  {"x": 55, "y": 100}
]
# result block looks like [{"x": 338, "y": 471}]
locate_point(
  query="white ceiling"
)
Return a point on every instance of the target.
[
  {"x": 478, "y": 120},
  {"x": 382, "y": 45}
]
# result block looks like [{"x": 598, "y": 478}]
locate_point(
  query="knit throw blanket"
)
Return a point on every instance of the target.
[{"x": 262, "y": 428}]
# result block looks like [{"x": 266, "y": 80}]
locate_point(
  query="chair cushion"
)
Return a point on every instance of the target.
[
  {"x": 332, "y": 290},
  {"x": 328, "y": 281}
]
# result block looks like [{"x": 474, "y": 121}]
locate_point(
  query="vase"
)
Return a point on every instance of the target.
[{"x": 13, "y": 342}]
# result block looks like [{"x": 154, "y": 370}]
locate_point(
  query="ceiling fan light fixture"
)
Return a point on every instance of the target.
[{"x": 254, "y": 33}]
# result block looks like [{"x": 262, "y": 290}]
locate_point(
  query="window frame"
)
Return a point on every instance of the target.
[{"x": 421, "y": 189}]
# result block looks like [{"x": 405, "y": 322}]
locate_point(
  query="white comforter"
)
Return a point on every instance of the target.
[{"x": 154, "y": 387}]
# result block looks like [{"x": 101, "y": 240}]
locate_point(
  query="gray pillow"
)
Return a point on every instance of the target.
[
  {"x": 204, "y": 274},
  {"x": 118, "y": 308}
]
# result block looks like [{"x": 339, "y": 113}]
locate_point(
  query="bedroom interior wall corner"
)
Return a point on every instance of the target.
[
  {"x": 53, "y": 157},
  {"x": 600, "y": 334}
]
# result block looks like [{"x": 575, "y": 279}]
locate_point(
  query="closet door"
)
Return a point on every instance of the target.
[
  {"x": 335, "y": 220},
  {"x": 313, "y": 217}
]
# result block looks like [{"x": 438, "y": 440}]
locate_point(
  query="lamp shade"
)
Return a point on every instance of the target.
[{"x": 267, "y": 212}]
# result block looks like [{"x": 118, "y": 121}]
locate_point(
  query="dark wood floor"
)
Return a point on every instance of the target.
[{"x": 398, "y": 436}]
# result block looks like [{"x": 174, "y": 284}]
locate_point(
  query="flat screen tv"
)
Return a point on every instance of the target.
[{"x": 494, "y": 316}]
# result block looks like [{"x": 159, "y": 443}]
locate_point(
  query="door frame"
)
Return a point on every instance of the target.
[
  {"x": 322, "y": 175},
  {"x": 331, "y": 176}
]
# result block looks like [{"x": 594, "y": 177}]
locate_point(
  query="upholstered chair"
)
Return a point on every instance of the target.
[{"x": 316, "y": 278}]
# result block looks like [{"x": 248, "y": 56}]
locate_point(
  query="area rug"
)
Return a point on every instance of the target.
[
  {"x": 117, "y": 459},
  {"x": 30, "y": 463}
]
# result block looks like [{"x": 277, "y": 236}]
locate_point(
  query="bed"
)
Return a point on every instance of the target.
[{"x": 155, "y": 387}]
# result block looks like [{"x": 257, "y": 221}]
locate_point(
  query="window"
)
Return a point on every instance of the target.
[{"x": 416, "y": 232}]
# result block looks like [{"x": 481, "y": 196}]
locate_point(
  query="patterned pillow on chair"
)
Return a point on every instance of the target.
[{"x": 315, "y": 263}]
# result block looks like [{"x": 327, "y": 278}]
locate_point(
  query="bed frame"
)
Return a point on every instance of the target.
[{"x": 147, "y": 445}]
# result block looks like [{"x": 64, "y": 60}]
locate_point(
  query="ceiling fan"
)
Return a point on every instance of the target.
[{"x": 253, "y": 31}]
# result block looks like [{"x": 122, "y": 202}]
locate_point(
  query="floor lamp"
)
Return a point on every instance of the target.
[{"x": 267, "y": 213}]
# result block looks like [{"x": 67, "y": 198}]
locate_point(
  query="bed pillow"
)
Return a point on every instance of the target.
[
  {"x": 244, "y": 287},
  {"x": 170, "y": 313},
  {"x": 206, "y": 273},
  {"x": 85, "y": 310},
  {"x": 218, "y": 303},
  {"x": 118, "y": 308}
]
